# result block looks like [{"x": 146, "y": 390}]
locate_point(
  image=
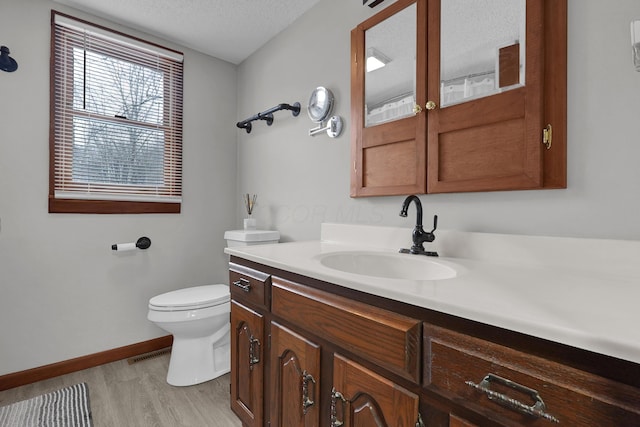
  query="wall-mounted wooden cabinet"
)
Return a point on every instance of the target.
[{"x": 447, "y": 125}]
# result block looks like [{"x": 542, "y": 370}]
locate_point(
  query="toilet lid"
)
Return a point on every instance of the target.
[{"x": 191, "y": 298}]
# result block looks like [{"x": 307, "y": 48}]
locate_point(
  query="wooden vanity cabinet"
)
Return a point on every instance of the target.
[{"x": 307, "y": 353}]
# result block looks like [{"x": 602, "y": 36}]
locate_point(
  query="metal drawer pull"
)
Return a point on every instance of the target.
[
  {"x": 335, "y": 395},
  {"x": 254, "y": 356},
  {"x": 537, "y": 410},
  {"x": 243, "y": 284},
  {"x": 306, "y": 401}
]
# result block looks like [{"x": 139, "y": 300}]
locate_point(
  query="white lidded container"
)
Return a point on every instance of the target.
[{"x": 251, "y": 237}]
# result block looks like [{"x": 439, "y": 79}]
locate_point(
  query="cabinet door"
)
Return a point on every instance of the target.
[
  {"x": 494, "y": 142},
  {"x": 295, "y": 379},
  {"x": 389, "y": 157},
  {"x": 362, "y": 398},
  {"x": 247, "y": 368}
]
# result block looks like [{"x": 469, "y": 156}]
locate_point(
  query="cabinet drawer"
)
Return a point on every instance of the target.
[
  {"x": 387, "y": 339},
  {"x": 503, "y": 384},
  {"x": 248, "y": 285}
]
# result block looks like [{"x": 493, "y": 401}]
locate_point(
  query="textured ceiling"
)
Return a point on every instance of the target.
[{"x": 227, "y": 29}]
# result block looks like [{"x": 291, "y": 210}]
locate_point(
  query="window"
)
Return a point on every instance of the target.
[{"x": 116, "y": 122}]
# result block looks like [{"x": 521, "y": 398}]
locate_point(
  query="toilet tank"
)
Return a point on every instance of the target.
[{"x": 251, "y": 237}]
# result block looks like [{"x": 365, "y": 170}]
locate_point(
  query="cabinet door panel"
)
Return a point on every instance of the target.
[
  {"x": 370, "y": 399},
  {"x": 390, "y": 165},
  {"x": 496, "y": 154},
  {"x": 247, "y": 365},
  {"x": 295, "y": 379},
  {"x": 391, "y": 159}
]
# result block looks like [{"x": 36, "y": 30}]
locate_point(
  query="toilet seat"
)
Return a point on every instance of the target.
[{"x": 194, "y": 298}]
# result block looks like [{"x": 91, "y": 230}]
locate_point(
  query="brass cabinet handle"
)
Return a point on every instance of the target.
[
  {"x": 254, "y": 355},
  {"x": 335, "y": 395},
  {"x": 306, "y": 401},
  {"x": 243, "y": 284},
  {"x": 417, "y": 109},
  {"x": 431, "y": 105},
  {"x": 538, "y": 409}
]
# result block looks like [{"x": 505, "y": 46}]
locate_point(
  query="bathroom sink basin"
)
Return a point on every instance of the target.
[{"x": 388, "y": 265}]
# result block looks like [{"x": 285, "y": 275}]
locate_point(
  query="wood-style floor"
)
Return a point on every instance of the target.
[{"x": 137, "y": 395}]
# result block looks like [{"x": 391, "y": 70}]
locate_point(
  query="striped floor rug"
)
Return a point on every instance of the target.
[{"x": 67, "y": 407}]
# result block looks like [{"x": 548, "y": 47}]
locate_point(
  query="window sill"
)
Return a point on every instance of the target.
[{"x": 110, "y": 207}]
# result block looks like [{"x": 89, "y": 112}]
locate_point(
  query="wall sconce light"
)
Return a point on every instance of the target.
[
  {"x": 375, "y": 59},
  {"x": 7, "y": 63},
  {"x": 635, "y": 43}
]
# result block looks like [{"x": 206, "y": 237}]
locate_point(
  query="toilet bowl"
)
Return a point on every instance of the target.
[{"x": 198, "y": 318}]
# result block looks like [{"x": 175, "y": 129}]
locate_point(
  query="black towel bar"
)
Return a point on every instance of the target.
[{"x": 267, "y": 115}]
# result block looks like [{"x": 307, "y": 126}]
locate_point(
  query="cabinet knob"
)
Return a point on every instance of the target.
[
  {"x": 417, "y": 109},
  {"x": 431, "y": 105}
]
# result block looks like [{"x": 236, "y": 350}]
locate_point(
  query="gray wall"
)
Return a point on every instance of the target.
[
  {"x": 303, "y": 181},
  {"x": 63, "y": 292}
]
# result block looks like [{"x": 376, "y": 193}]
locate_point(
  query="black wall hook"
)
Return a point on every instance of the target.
[
  {"x": 7, "y": 63},
  {"x": 267, "y": 115}
]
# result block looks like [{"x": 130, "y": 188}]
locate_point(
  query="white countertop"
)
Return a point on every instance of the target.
[{"x": 580, "y": 292}]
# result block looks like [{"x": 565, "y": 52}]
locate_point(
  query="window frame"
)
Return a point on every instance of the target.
[{"x": 173, "y": 144}]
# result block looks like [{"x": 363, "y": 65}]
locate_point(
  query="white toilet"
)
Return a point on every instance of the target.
[{"x": 198, "y": 318}]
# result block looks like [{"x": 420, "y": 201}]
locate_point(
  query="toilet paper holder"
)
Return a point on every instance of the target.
[{"x": 141, "y": 243}]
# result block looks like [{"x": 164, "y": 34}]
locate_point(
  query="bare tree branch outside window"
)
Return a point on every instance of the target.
[{"x": 119, "y": 138}]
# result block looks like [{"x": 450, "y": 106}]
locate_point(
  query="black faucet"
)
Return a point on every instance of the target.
[{"x": 419, "y": 235}]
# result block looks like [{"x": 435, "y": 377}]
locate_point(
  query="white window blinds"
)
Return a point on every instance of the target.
[{"x": 116, "y": 115}]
